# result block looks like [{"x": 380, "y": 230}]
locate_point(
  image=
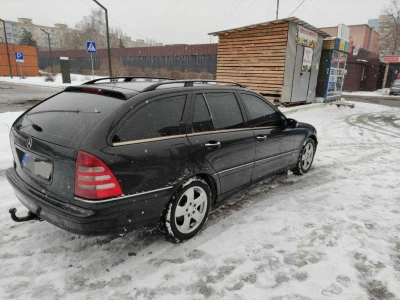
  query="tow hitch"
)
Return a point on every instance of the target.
[{"x": 29, "y": 217}]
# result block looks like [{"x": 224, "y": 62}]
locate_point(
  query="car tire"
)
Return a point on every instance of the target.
[
  {"x": 306, "y": 157},
  {"x": 391, "y": 93},
  {"x": 187, "y": 212}
]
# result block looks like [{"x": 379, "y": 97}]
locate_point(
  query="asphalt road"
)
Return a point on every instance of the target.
[
  {"x": 375, "y": 100},
  {"x": 18, "y": 97}
]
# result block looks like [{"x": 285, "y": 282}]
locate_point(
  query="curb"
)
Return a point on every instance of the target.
[
  {"x": 289, "y": 110},
  {"x": 372, "y": 97}
]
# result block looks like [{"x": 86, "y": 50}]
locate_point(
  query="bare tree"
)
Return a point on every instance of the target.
[
  {"x": 92, "y": 28},
  {"x": 389, "y": 29}
]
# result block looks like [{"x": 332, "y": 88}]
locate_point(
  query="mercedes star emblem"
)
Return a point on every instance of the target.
[{"x": 29, "y": 143}]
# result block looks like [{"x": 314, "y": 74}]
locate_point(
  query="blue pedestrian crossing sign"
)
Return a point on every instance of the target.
[
  {"x": 91, "y": 47},
  {"x": 19, "y": 57}
]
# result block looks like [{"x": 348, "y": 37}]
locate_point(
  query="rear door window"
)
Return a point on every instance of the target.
[
  {"x": 67, "y": 118},
  {"x": 261, "y": 114},
  {"x": 201, "y": 117},
  {"x": 160, "y": 118},
  {"x": 225, "y": 110}
]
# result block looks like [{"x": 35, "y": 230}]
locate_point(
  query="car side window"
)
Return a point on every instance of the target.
[
  {"x": 201, "y": 117},
  {"x": 225, "y": 110},
  {"x": 159, "y": 118},
  {"x": 261, "y": 114}
]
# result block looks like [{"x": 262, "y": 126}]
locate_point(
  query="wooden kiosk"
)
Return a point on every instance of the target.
[{"x": 278, "y": 59}]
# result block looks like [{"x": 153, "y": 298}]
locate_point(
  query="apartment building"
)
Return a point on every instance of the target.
[
  {"x": 14, "y": 31},
  {"x": 363, "y": 35}
]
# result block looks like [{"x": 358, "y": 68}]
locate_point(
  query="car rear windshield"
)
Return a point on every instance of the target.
[{"x": 66, "y": 118}]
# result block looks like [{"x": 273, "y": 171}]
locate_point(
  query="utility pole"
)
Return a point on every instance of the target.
[
  {"x": 277, "y": 9},
  {"x": 108, "y": 39},
  {"x": 51, "y": 57},
  {"x": 8, "y": 54}
]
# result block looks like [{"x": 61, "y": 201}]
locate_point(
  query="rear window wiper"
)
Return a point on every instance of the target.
[{"x": 34, "y": 126}]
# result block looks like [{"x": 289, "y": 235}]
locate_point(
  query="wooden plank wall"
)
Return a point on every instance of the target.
[{"x": 254, "y": 57}]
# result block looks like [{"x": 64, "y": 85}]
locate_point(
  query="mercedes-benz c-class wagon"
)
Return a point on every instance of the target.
[{"x": 115, "y": 155}]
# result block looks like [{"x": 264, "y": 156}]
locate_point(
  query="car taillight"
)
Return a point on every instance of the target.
[
  {"x": 392, "y": 85},
  {"x": 93, "y": 179}
]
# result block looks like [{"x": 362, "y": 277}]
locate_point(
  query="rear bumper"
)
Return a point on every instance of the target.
[
  {"x": 119, "y": 216},
  {"x": 395, "y": 90}
]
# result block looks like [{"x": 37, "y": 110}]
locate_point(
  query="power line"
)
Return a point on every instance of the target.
[
  {"x": 128, "y": 28},
  {"x": 297, "y": 7},
  {"x": 251, "y": 4},
  {"x": 220, "y": 20},
  {"x": 230, "y": 16}
]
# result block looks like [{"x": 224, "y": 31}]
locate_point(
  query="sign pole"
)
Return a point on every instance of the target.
[
  {"x": 91, "y": 58},
  {"x": 20, "y": 69}
]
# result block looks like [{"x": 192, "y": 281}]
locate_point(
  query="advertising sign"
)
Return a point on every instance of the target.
[
  {"x": 343, "y": 32},
  {"x": 390, "y": 59},
  {"x": 307, "y": 37},
  {"x": 307, "y": 59},
  {"x": 341, "y": 45}
]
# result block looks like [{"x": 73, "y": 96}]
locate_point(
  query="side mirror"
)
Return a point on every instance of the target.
[{"x": 291, "y": 123}]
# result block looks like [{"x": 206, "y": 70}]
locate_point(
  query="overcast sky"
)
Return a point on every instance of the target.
[{"x": 189, "y": 21}]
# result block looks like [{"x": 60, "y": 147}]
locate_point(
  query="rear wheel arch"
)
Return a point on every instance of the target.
[
  {"x": 314, "y": 138},
  {"x": 213, "y": 185}
]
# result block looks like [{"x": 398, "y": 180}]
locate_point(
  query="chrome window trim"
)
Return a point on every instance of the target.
[
  {"x": 148, "y": 140},
  {"x": 189, "y": 134},
  {"x": 123, "y": 197},
  {"x": 217, "y": 131}
]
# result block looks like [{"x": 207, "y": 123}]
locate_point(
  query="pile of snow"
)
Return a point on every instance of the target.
[
  {"x": 41, "y": 80},
  {"x": 333, "y": 233}
]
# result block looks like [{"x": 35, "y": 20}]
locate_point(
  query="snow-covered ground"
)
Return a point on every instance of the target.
[
  {"x": 40, "y": 80},
  {"x": 333, "y": 233},
  {"x": 378, "y": 93}
]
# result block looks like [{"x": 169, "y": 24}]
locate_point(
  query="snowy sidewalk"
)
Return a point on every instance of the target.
[
  {"x": 40, "y": 80},
  {"x": 333, "y": 233}
]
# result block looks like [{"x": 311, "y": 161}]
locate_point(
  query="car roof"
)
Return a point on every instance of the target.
[{"x": 128, "y": 89}]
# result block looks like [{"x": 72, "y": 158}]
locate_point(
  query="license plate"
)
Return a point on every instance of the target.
[{"x": 36, "y": 166}]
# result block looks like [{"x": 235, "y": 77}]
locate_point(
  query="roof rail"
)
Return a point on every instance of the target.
[
  {"x": 126, "y": 79},
  {"x": 188, "y": 83}
]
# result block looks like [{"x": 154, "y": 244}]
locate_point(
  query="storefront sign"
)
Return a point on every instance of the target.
[
  {"x": 390, "y": 59},
  {"x": 307, "y": 59},
  {"x": 343, "y": 32},
  {"x": 307, "y": 37},
  {"x": 341, "y": 45}
]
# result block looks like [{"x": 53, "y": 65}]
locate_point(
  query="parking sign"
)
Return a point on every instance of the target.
[
  {"x": 91, "y": 47},
  {"x": 19, "y": 57}
]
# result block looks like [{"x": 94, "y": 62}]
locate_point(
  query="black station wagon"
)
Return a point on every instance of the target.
[{"x": 134, "y": 153}]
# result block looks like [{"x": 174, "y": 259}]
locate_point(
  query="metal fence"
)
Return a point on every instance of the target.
[{"x": 183, "y": 58}]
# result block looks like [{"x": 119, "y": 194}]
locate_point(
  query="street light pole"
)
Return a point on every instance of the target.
[
  {"x": 108, "y": 39},
  {"x": 51, "y": 57},
  {"x": 8, "y": 54}
]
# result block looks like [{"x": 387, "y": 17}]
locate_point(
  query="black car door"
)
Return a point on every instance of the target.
[
  {"x": 274, "y": 142},
  {"x": 218, "y": 134},
  {"x": 151, "y": 147}
]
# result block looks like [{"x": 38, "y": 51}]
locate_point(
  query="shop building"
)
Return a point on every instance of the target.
[
  {"x": 279, "y": 59},
  {"x": 332, "y": 69}
]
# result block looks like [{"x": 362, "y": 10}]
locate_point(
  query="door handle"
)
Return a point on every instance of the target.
[
  {"x": 261, "y": 137},
  {"x": 213, "y": 145}
]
